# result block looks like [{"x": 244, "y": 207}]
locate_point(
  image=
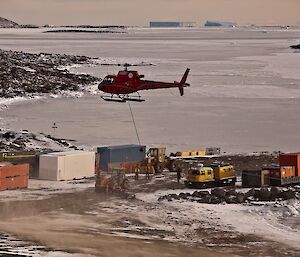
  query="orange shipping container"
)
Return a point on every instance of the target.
[
  {"x": 14, "y": 183},
  {"x": 282, "y": 172},
  {"x": 287, "y": 171},
  {"x": 14, "y": 171},
  {"x": 292, "y": 159}
]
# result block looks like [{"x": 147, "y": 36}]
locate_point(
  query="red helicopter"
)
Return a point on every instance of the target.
[{"x": 127, "y": 82}]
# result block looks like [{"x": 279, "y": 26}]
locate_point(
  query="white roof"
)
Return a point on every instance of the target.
[{"x": 67, "y": 153}]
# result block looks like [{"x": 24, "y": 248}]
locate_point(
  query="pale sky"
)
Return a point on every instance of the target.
[{"x": 140, "y": 12}]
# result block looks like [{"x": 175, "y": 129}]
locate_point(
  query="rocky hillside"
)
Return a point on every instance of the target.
[
  {"x": 4, "y": 23},
  {"x": 25, "y": 74},
  {"x": 24, "y": 141}
]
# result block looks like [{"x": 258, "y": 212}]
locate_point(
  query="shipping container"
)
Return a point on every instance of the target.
[
  {"x": 291, "y": 159},
  {"x": 67, "y": 165},
  {"x": 164, "y": 24},
  {"x": 128, "y": 167},
  {"x": 14, "y": 171},
  {"x": 279, "y": 174},
  {"x": 97, "y": 163},
  {"x": 282, "y": 172},
  {"x": 14, "y": 176},
  {"x": 213, "y": 151},
  {"x": 223, "y": 171},
  {"x": 255, "y": 178},
  {"x": 26, "y": 157},
  {"x": 18, "y": 182},
  {"x": 172, "y": 24},
  {"x": 226, "y": 24},
  {"x": 191, "y": 153},
  {"x": 287, "y": 171},
  {"x": 121, "y": 155}
]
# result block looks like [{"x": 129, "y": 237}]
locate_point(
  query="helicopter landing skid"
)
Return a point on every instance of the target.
[
  {"x": 113, "y": 99},
  {"x": 134, "y": 99},
  {"x": 122, "y": 98}
]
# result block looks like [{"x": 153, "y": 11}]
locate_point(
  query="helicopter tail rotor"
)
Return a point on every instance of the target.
[{"x": 183, "y": 83}]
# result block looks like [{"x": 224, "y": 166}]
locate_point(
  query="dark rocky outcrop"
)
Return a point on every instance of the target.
[
  {"x": 5, "y": 23},
  {"x": 15, "y": 141},
  {"x": 295, "y": 46},
  {"x": 231, "y": 196},
  {"x": 25, "y": 74}
]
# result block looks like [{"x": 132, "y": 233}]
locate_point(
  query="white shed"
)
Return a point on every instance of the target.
[{"x": 67, "y": 165}]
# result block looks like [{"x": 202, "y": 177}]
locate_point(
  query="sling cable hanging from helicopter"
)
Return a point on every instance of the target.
[{"x": 133, "y": 121}]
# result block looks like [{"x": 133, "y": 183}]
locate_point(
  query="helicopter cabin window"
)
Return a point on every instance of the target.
[
  {"x": 109, "y": 80},
  {"x": 123, "y": 73}
]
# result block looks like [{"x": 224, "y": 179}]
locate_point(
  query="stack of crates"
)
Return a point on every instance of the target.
[{"x": 13, "y": 176}]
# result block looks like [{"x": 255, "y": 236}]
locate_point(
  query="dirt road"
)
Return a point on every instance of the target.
[
  {"x": 94, "y": 224},
  {"x": 62, "y": 223}
]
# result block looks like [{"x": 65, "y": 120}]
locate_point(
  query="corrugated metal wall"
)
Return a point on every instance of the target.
[
  {"x": 292, "y": 159},
  {"x": 13, "y": 177},
  {"x": 120, "y": 154}
]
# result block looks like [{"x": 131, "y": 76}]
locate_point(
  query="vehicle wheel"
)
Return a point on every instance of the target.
[
  {"x": 125, "y": 184},
  {"x": 187, "y": 184},
  {"x": 232, "y": 183}
]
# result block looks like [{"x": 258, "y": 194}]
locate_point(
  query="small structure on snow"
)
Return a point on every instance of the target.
[{"x": 67, "y": 165}]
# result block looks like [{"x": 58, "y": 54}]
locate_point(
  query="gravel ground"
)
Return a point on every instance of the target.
[{"x": 91, "y": 223}]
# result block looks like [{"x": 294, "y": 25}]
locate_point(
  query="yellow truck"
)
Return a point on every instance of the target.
[
  {"x": 217, "y": 174},
  {"x": 199, "y": 177}
]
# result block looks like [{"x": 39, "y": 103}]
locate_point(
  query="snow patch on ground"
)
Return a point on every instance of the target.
[
  {"x": 42, "y": 189},
  {"x": 284, "y": 64},
  {"x": 266, "y": 221},
  {"x": 4, "y": 102},
  {"x": 92, "y": 89}
]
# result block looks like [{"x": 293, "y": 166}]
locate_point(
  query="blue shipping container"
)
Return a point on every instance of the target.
[{"x": 120, "y": 154}]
